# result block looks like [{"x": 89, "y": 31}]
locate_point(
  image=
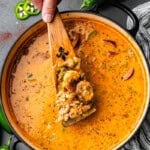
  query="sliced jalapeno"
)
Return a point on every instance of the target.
[
  {"x": 20, "y": 12},
  {"x": 30, "y": 9},
  {"x": 88, "y": 3},
  {"x": 6, "y": 146}
]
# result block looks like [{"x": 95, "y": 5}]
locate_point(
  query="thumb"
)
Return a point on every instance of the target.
[{"x": 48, "y": 10}]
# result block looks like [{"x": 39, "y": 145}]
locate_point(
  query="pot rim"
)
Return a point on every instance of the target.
[{"x": 98, "y": 18}]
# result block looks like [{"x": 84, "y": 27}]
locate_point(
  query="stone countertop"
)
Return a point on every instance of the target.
[{"x": 11, "y": 29}]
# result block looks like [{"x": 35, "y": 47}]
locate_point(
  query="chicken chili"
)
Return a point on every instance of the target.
[
  {"x": 74, "y": 92},
  {"x": 112, "y": 81}
]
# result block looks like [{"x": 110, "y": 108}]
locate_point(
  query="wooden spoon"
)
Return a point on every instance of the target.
[{"x": 58, "y": 38}]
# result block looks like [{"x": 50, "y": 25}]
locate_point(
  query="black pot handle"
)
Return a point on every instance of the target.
[
  {"x": 14, "y": 145},
  {"x": 16, "y": 142},
  {"x": 133, "y": 31}
]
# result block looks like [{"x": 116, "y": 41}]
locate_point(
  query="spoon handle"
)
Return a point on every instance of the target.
[{"x": 58, "y": 38}]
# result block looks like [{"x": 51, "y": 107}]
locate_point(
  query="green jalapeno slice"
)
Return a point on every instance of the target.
[
  {"x": 20, "y": 12},
  {"x": 30, "y": 9},
  {"x": 3, "y": 121},
  {"x": 6, "y": 146}
]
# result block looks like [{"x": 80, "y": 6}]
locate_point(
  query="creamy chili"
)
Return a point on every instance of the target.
[{"x": 111, "y": 65}]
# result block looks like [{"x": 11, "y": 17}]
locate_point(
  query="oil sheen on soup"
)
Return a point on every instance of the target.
[{"x": 114, "y": 69}]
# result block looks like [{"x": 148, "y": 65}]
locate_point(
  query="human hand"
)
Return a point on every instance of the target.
[{"x": 47, "y": 7}]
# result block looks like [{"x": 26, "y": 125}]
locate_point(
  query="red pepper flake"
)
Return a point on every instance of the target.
[
  {"x": 125, "y": 115},
  {"x": 5, "y": 36},
  {"x": 111, "y": 42},
  {"x": 111, "y": 53},
  {"x": 128, "y": 75}
]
